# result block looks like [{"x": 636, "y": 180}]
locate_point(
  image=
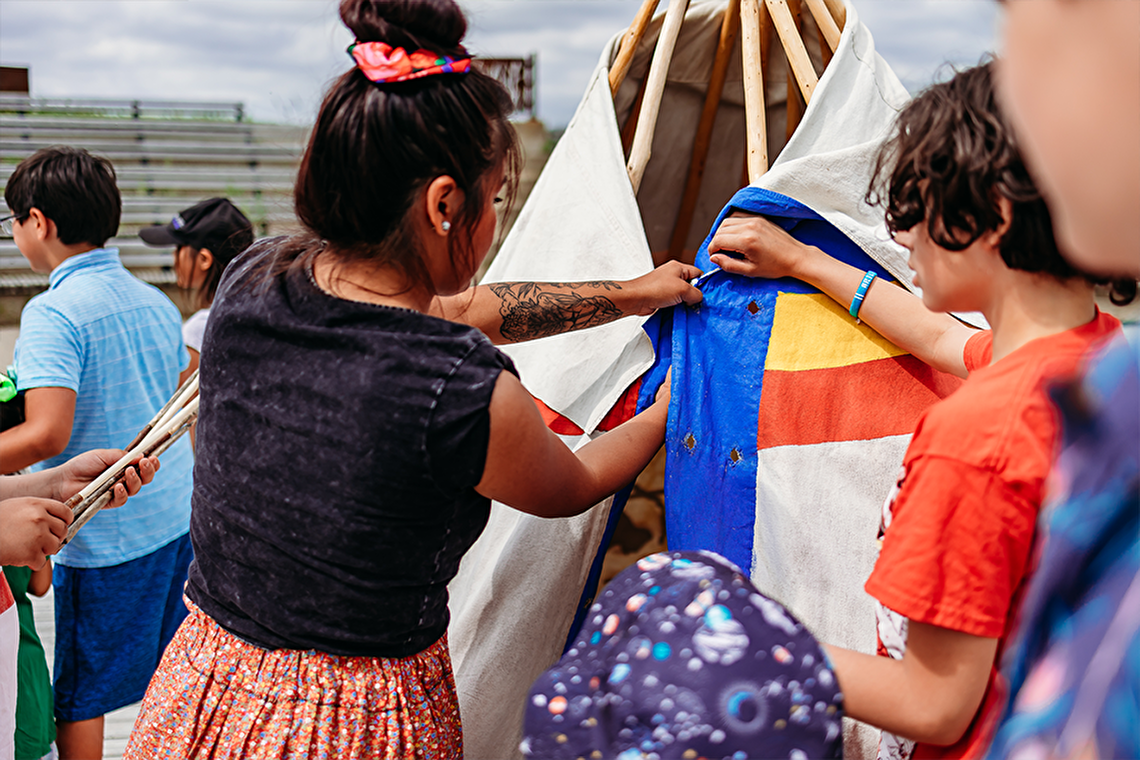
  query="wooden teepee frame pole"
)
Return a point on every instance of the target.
[
  {"x": 798, "y": 58},
  {"x": 629, "y": 42},
  {"x": 794, "y": 107},
  {"x": 823, "y": 19},
  {"x": 752, "y": 19},
  {"x": 755, "y": 112},
  {"x": 729, "y": 28},
  {"x": 838, "y": 9},
  {"x": 658, "y": 71}
]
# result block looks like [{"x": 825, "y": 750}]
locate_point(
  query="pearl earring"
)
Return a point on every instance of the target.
[{"x": 446, "y": 225}]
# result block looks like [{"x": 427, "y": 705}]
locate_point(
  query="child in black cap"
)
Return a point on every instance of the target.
[{"x": 207, "y": 236}]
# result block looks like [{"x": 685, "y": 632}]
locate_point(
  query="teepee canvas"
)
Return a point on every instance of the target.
[{"x": 642, "y": 174}]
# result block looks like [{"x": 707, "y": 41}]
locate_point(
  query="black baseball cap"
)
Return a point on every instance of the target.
[{"x": 204, "y": 225}]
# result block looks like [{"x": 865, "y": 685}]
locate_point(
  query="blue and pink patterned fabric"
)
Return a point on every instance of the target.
[{"x": 1074, "y": 669}]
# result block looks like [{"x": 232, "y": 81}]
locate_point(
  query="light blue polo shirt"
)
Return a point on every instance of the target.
[{"x": 117, "y": 342}]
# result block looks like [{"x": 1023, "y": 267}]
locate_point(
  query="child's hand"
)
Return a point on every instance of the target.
[
  {"x": 664, "y": 393},
  {"x": 40, "y": 582},
  {"x": 768, "y": 250},
  {"x": 76, "y": 473},
  {"x": 31, "y": 529}
]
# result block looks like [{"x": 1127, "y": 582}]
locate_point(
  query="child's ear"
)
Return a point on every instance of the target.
[
  {"x": 1005, "y": 207},
  {"x": 42, "y": 228},
  {"x": 205, "y": 259}
]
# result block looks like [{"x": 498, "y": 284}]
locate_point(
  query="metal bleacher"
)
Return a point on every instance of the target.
[{"x": 167, "y": 155}]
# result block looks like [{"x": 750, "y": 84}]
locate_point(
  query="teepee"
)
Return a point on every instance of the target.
[{"x": 684, "y": 109}]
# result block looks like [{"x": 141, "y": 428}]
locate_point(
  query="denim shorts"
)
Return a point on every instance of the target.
[{"x": 112, "y": 625}]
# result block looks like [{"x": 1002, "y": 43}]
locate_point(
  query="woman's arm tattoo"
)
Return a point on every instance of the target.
[{"x": 535, "y": 310}]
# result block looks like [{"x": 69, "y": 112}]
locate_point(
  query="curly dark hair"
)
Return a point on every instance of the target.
[{"x": 950, "y": 157}]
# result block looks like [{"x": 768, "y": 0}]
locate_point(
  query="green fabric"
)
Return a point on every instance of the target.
[{"x": 35, "y": 725}]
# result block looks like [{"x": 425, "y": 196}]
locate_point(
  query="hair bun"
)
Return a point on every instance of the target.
[{"x": 436, "y": 25}]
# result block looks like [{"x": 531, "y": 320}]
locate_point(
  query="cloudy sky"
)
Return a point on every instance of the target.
[{"x": 276, "y": 56}]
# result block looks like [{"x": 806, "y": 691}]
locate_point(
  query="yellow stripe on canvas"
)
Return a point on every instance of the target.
[{"x": 811, "y": 331}]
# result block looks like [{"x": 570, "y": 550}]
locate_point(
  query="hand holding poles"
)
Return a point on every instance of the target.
[{"x": 172, "y": 421}]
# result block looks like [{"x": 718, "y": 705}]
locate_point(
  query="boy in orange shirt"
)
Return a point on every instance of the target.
[{"x": 957, "y": 530}]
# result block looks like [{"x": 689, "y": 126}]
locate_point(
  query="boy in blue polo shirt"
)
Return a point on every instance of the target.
[{"x": 98, "y": 354}]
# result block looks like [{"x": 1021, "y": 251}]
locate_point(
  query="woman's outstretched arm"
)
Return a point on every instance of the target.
[{"x": 509, "y": 312}]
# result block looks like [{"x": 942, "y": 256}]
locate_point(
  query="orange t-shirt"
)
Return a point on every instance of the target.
[{"x": 958, "y": 529}]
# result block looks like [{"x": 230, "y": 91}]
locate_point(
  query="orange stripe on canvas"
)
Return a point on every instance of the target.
[
  {"x": 856, "y": 402},
  {"x": 624, "y": 409}
]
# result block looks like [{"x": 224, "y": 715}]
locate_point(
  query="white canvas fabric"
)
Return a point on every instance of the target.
[
  {"x": 518, "y": 588},
  {"x": 822, "y": 503},
  {"x": 826, "y": 164}
]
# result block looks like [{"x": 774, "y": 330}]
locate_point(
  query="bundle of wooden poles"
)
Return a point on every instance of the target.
[
  {"x": 755, "y": 20},
  {"x": 170, "y": 424}
]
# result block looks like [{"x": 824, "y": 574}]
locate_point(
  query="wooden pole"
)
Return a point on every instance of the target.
[
  {"x": 827, "y": 26},
  {"x": 658, "y": 72},
  {"x": 629, "y": 42},
  {"x": 191, "y": 381},
  {"x": 765, "y": 35},
  {"x": 729, "y": 28},
  {"x": 755, "y": 115},
  {"x": 794, "y": 110},
  {"x": 98, "y": 493},
  {"x": 793, "y": 47},
  {"x": 631, "y": 120},
  {"x": 110, "y": 476},
  {"x": 157, "y": 444},
  {"x": 824, "y": 50},
  {"x": 838, "y": 9}
]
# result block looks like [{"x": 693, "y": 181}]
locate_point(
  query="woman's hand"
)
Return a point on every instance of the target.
[
  {"x": 767, "y": 249},
  {"x": 666, "y": 286}
]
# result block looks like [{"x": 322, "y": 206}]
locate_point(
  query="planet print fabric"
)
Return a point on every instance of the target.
[{"x": 682, "y": 657}]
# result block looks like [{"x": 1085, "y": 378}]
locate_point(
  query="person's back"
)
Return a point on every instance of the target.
[
  {"x": 371, "y": 581},
  {"x": 98, "y": 354},
  {"x": 958, "y": 532},
  {"x": 115, "y": 339}
]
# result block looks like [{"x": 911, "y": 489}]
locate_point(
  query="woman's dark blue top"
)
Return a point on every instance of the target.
[{"x": 338, "y": 447}]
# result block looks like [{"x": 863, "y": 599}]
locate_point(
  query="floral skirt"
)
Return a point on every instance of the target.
[{"x": 215, "y": 696}]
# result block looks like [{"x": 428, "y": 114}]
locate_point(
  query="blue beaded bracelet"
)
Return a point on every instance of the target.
[{"x": 860, "y": 294}]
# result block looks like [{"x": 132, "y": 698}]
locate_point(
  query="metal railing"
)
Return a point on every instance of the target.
[{"x": 123, "y": 109}]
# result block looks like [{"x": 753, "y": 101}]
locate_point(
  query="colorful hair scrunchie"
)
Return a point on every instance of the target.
[{"x": 381, "y": 62}]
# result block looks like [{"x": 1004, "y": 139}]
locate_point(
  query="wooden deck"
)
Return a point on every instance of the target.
[{"x": 118, "y": 724}]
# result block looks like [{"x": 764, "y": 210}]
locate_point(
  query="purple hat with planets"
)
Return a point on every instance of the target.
[{"x": 681, "y": 657}]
